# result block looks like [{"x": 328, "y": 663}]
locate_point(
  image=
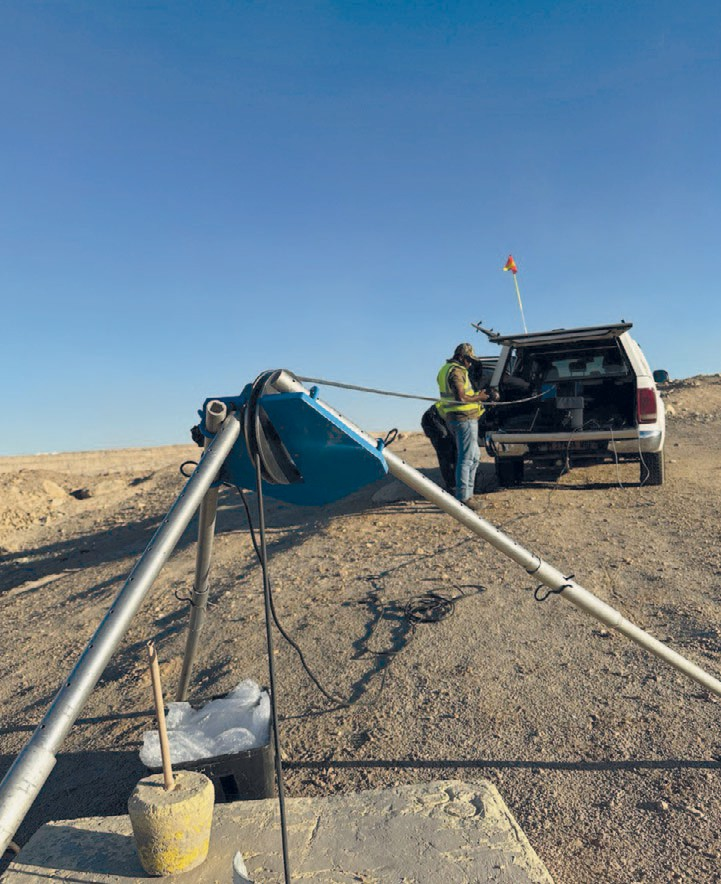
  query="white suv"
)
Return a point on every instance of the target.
[{"x": 581, "y": 395}]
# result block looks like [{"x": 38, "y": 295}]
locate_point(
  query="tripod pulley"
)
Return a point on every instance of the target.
[{"x": 261, "y": 438}]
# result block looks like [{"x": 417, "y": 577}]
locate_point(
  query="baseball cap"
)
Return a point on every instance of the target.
[{"x": 464, "y": 350}]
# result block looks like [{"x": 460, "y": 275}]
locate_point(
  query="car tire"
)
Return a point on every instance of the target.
[
  {"x": 652, "y": 468},
  {"x": 509, "y": 471}
]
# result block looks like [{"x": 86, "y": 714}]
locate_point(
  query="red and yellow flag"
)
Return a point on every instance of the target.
[{"x": 511, "y": 265}]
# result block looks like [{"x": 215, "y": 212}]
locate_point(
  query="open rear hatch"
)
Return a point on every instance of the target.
[{"x": 566, "y": 381}]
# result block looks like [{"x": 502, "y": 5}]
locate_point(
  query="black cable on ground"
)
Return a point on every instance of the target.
[
  {"x": 327, "y": 694},
  {"x": 430, "y": 607}
]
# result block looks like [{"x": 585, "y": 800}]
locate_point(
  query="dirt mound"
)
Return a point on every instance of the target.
[
  {"x": 697, "y": 398},
  {"x": 58, "y": 489},
  {"x": 29, "y": 497}
]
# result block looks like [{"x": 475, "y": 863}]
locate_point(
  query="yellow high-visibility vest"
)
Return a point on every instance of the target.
[{"x": 448, "y": 405}]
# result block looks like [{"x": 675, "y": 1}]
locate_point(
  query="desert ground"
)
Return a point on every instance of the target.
[{"x": 608, "y": 758}]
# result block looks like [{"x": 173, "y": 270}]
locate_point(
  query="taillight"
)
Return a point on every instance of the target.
[{"x": 647, "y": 410}]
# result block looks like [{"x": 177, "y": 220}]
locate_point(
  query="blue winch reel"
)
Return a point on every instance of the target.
[{"x": 308, "y": 456}]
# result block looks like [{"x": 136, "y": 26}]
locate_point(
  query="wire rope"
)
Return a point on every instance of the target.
[{"x": 344, "y": 386}]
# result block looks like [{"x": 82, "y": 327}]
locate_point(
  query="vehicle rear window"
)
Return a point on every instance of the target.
[{"x": 552, "y": 364}]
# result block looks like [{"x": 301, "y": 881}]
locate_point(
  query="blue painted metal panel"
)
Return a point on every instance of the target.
[{"x": 332, "y": 460}]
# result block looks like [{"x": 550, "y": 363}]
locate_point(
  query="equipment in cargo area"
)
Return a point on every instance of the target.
[
  {"x": 277, "y": 438},
  {"x": 584, "y": 395}
]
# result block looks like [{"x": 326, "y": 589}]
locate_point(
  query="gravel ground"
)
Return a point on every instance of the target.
[{"x": 608, "y": 758}]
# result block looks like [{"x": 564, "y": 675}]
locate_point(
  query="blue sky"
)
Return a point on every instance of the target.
[{"x": 195, "y": 192}]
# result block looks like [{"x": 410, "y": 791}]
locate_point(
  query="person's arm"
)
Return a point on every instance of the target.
[{"x": 456, "y": 382}]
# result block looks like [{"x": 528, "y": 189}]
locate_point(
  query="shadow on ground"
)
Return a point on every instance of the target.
[
  {"x": 82, "y": 784},
  {"x": 449, "y": 764}
]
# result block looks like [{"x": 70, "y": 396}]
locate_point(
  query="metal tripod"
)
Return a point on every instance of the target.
[{"x": 32, "y": 767}]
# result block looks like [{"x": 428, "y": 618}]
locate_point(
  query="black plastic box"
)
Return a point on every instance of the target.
[{"x": 243, "y": 776}]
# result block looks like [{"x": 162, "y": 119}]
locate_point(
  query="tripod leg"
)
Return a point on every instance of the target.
[
  {"x": 31, "y": 768},
  {"x": 214, "y": 416},
  {"x": 551, "y": 577}
]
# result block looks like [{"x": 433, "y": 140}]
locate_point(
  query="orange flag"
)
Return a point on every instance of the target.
[{"x": 511, "y": 265}]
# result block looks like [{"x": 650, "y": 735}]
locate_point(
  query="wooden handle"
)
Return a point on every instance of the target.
[{"x": 160, "y": 715}]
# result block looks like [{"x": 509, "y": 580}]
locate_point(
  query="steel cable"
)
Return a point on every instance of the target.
[{"x": 343, "y": 386}]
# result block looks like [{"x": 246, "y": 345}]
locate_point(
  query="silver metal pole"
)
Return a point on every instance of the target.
[
  {"x": 532, "y": 563},
  {"x": 33, "y": 765},
  {"x": 547, "y": 574},
  {"x": 215, "y": 414}
]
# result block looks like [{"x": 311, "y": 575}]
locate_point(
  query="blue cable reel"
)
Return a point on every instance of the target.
[{"x": 307, "y": 455}]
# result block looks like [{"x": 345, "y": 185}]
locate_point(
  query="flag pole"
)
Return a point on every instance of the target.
[
  {"x": 523, "y": 318},
  {"x": 511, "y": 265}
]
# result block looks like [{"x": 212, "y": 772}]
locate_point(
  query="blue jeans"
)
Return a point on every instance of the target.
[{"x": 466, "y": 435}]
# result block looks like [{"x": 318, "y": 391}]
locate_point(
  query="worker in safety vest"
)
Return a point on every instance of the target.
[{"x": 460, "y": 406}]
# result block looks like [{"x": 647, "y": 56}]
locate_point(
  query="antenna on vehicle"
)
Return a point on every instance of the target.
[{"x": 488, "y": 332}]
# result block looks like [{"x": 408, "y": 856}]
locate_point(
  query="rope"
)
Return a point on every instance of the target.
[
  {"x": 367, "y": 389},
  {"x": 487, "y": 404}
]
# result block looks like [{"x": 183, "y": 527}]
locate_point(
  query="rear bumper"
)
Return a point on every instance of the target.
[{"x": 597, "y": 443}]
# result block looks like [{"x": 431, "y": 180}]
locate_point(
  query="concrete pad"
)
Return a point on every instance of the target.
[{"x": 449, "y": 831}]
